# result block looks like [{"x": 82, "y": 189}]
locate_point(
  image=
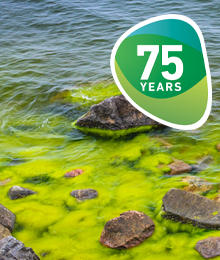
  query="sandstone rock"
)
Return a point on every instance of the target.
[
  {"x": 84, "y": 194},
  {"x": 114, "y": 113},
  {"x": 128, "y": 230},
  {"x": 187, "y": 207},
  {"x": 7, "y": 218},
  {"x": 209, "y": 248},
  {"x": 4, "y": 232},
  {"x": 179, "y": 167},
  {"x": 17, "y": 192},
  {"x": 73, "y": 173},
  {"x": 197, "y": 184},
  {"x": 12, "y": 249}
]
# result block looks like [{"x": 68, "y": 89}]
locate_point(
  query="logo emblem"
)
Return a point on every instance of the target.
[{"x": 160, "y": 65}]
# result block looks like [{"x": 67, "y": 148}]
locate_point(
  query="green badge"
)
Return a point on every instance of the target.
[{"x": 161, "y": 67}]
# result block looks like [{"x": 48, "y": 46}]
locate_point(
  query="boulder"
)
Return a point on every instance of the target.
[
  {"x": 128, "y": 230},
  {"x": 73, "y": 173},
  {"x": 4, "y": 232},
  {"x": 84, "y": 194},
  {"x": 17, "y": 192},
  {"x": 114, "y": 113},
  {"x": 196, "y": 184},
  {"x": 179, "y": 167},
  {"x": 11, "y": 248},
  {"x": 209, "y": 247},
  {"x": 188, "y": 207},
  {"x": 7, "y": 218}
]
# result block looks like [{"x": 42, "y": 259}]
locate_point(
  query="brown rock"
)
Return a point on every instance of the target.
[
  {"x": 218, "y": 147},
  {"x": 128, "y": 230},
  {"x": 84, "y": 194},
  {"x": 4, "y": 232},
  {"x": 187, "y": 207},
  {"x": 114, "y": 113},
  {"x": 196, "y": 184},
  {"x": 7, "y": 218},
  {"x": 73, "y": 173},
  {"x": 209, "y": 248},
  {"x": 179, "y": 167}
]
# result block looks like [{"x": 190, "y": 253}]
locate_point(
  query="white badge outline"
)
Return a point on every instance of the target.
[{"x": 188, "y": 20}]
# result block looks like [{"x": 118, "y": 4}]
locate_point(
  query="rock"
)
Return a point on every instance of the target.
[
  {"x": 209, "y": 248},
  {"x": 12, "y": 249},
  {"x": 17, "y": 192},
  {"x": 7, "y": 218},
  {"x": 128, "y": 230},
  {"x": 202, "y": 164},
  {"x": 187, "y": 207},
  {"x": 73, "y": 173},
  {"x": 114, "y": 113},
  {"x": 218, "y": 147},
  {"x": 197, "y": 184},
  {"x": 4, "y": 232},
  {"x": 179, "y": 167},
  {"x": 84, "y": 194}
]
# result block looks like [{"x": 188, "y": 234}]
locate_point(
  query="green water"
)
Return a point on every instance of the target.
[
  {"x": 129, "y": 174},
  {"x": 54, "y": 64}
]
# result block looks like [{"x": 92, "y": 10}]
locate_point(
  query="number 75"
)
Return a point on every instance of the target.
[{"x": 166, "y": 60}]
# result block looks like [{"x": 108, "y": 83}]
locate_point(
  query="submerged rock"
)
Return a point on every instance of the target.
[
  {"x": 11, "y": 248},
  {"x": 187, "y": 207},
  {"x": 179, "y": 167},
  {"x": 128, "y": 230},
  {"x": 84, "y": 194},
  {"x": 197, "y": 184},
  {"x": 209, "y": 248},
  {"x": 17, "y": 192},
  {"x": 202, "y": 164},
  {"x": 7, "y": 218},
  {"x": 4, "y": 232},
  {"x": 73, "y": 173},
  {"x": 114, "y": 113}
]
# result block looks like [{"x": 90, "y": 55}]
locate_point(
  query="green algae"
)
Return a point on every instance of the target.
[
  {"x": 87, "y": 95},
  {"x": 112, "y": 133},
  {"x": 128, "y": 173}
]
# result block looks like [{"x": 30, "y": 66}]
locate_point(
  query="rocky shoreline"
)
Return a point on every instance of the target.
[{"x": 132, "y": 227}]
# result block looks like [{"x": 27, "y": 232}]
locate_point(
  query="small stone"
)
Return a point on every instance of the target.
[
  {"x": 128, "y": 230},
  {"x": 218, "y": 147},
  {"x": 4, "y": 232},
  {"x": 7, "y": 218},
  {"x": 17, "y": 192},
  {"x": 12, "y": 249},
  {"x": 209, "y": 247},
  {"x": 84, "y": 194},
  {"x": 197, "y": 184},
  {"x": 179, "y": 167},
  {"x": 188, "y": 207},
  {"x": 202, "y": 164},
  {"x": 73, "y": 173}
]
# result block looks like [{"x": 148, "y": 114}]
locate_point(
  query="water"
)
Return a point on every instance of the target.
[{"x": 47, "y": 47}]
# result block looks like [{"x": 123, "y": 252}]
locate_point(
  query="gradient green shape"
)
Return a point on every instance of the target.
[
  {"x": 133, "y": 66},
  {"x": 185, "y": 109}
]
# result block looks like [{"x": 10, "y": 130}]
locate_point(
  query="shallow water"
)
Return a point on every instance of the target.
[{"x": 47, "y": 47}]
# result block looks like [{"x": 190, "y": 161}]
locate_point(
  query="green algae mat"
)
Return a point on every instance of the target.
[{"x": 129, "y": 173}]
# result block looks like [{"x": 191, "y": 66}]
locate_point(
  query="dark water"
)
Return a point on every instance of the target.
[{"x": 47, "y": 47}]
